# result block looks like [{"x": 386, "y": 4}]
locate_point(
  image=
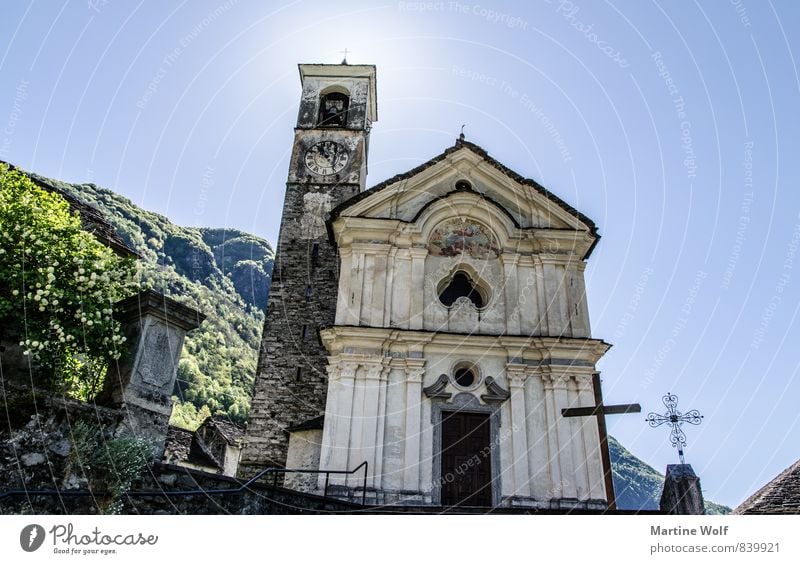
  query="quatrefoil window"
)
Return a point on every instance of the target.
[{"x": 461, "y": 285}]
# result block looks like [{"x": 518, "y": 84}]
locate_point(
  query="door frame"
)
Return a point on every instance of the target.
[{"x": 466, "y": 403}]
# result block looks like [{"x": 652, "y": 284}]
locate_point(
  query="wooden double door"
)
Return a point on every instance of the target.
[{"x": 466, "y": 459}]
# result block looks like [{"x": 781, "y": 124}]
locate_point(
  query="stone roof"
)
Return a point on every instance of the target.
[
  {"x": 92, "y": 219},
  {"x": 229, "y": 430},
  {"x": 178, "y": 444},
  {"x": 184, "y": 446},
  {"x": 779, "y": 496}
]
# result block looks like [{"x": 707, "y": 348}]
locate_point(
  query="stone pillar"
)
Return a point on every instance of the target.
[
  {"x": 369, "y": 416},
  {"x": 510, "y": 263},
  {"x": 553, "y": 450},
  {"x": 414, "y": 373},
  {"x": 682, "y": 494},
  {"x": 564, "y": 432},
  {"x": 417, "y": 315},
  {"x": 142, "y": 381},
  {"x": 338, "y": 417},
  {"x": 591, "y": 440},
  {"x": 519, "y": 432}
]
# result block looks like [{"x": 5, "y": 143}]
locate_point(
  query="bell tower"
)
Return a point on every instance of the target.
[{"x": 328, "y": 165}]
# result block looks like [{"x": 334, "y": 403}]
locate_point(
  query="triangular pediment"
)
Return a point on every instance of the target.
[{"x": 466, "y": 167}]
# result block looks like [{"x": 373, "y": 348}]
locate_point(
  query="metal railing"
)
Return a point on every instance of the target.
[
  {"x": 276, "y": 471},
  {"x": 220, "y": 491}
]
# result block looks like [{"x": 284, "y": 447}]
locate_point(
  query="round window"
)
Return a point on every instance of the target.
[{"x": 465, "y": 375}]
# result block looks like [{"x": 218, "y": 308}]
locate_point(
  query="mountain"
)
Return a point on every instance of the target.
[
  {"x": 638, "y": 485},
  {"x": 224, "y": 273}
]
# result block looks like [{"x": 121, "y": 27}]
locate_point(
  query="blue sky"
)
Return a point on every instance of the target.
[{"x": 672, "y": 124}]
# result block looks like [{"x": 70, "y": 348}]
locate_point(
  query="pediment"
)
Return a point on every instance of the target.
[{"x": 406, "y": 197}]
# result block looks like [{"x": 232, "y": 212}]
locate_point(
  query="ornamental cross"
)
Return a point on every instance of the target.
[
  {"x": 344, "y": 61},
  {"x": 675, "y": 418},
  {"x": 600, "y": 410}
]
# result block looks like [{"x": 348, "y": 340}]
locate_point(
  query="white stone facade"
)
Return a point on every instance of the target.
[{"x": 525, "y": 335}]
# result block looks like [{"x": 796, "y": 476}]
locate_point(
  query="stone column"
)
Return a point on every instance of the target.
[
  {"x": 414, "y": 373},
  {"x": 541, "y": 298},
  {"x": 591, "y": 440},
  {"x": 369, "y": 431},
  {"x": 377, "y": 469},
  {"x": 343, "y": 311},
  {"x": 552, "y": 437},
  {"x": 519, "y": 432},
  {"x": 141, "y": 383},
  {"x": 577, "y": 443},
  {"x": 356, "y": 285},
  {"x": 512, "y": 293},
  {"x": 417, "y": 315},
  {"x": 401, "y": 280},
  {"x": 338, "y": 415},
  {"x": 682, "y": 494},
  {"x": 565, "y": 436}
]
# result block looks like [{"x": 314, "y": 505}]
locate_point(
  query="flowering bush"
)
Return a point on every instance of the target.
[{"x": 58, "y": 286}]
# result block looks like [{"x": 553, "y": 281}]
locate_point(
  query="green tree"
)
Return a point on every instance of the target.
[{"x": 58, "y": 287}]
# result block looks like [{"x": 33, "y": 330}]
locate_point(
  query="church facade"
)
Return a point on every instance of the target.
[{"x": 434, "y": 326}]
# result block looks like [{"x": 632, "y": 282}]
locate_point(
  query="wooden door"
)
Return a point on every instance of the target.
[{"x": 466, "y": 459}]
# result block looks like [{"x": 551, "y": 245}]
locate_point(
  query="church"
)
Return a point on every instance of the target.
[{"x": 434, "y": 326}]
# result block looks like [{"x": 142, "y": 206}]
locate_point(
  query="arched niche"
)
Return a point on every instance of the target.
[
  {"x": 465, "y": 221},
  {"x": 463, "y": 235},
  {"x": 334, "y": 103}
]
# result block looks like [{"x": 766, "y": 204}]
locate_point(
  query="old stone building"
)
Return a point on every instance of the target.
[{"x": 433, "y": 326}]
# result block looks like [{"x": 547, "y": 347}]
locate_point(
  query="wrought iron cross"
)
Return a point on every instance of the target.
[
  {"x": 344, "y": 61},
  {"x": 675, "y": 418}
]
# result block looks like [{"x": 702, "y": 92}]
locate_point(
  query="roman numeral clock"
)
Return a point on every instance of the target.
[{"x": 326, "y": 158}]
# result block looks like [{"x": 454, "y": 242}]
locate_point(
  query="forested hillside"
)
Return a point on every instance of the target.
[{"x": 224, "y": 273}]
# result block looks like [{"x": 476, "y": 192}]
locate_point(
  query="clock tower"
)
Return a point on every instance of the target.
[{"x": 328, "y": 166}]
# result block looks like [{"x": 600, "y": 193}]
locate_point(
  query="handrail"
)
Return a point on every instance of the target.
[{"x": 271, "y": 470}]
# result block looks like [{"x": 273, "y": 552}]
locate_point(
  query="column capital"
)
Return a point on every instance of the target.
[
  {"x": 348, "y": 370},
  {"x": 509, "y": 259},
  {"x": 418, "y": 252},
  {"x": 374, "y": 371},
  {"x": 555, "y": 381},
  {"x": 584, "y": 382}
]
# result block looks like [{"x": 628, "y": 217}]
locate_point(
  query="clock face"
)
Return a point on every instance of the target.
[{"x": 326, "y": 158}]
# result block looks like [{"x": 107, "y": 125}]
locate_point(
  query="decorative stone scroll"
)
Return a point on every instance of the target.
[
  {"x": 437, "y": 389},
  {"x": 495, "y": 393}
]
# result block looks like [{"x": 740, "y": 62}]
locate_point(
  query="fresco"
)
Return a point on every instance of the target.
[{"x": 457, "y": 236}]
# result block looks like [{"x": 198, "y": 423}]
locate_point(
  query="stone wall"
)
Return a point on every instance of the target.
[{"x": 36, "y": 440}]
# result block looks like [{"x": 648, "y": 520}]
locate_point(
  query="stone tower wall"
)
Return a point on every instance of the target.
[{"x": 282, "y": 395}]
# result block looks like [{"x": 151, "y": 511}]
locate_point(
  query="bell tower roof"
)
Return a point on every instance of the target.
[{"x": 346, "y": 71}]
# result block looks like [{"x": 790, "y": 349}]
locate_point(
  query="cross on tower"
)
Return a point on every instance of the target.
[
  {"x": 600, "y": 411},
  {"x": 344, "y": 60},
  {"x": 675, "y": 418}
]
